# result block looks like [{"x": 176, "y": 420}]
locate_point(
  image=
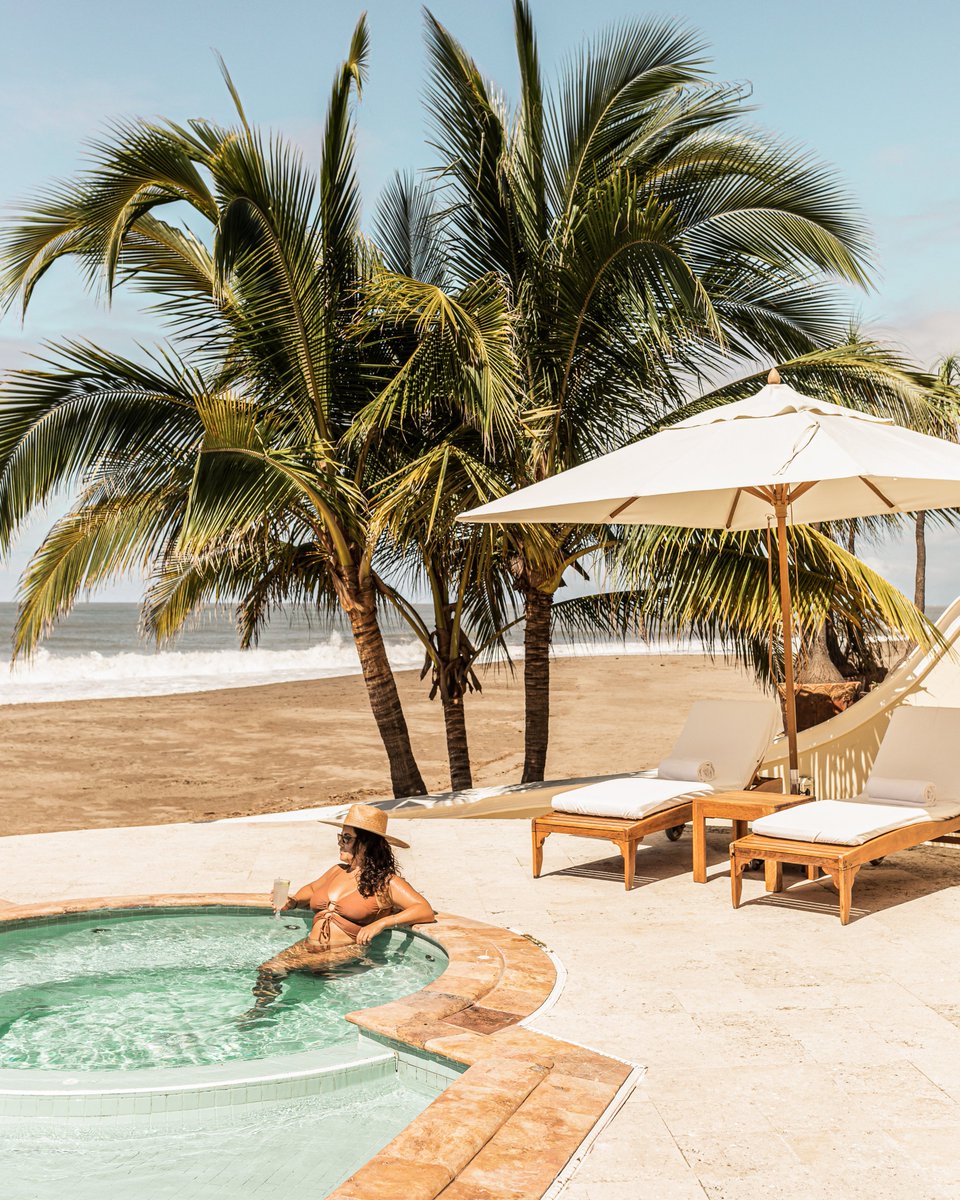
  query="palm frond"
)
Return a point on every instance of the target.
[
  {"x": 530, "y": 137},
  {"x": 84, "y": 412},
  {"x": 470, "y": 131},
  {"x": 407, "y": 230},
  {"x": 462, "y": 358},
  {"x": 606, "y": 91},
  {"x": 98, "y": 541},
  {"x": 339, "y": 195},
  {"x": 723, "y": 587}
]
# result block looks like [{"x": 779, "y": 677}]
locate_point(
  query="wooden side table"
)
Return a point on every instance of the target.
[{"x": 738, "y": 807}]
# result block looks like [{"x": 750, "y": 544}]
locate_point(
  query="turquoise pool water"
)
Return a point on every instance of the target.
[
  {"x": 174, "y": 988},
  {"x": 135, "y": 1061},
  {"x": 252, "y": 1152}
]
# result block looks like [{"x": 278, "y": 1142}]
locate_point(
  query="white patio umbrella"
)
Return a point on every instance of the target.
[{"x": 778, "y": 454}]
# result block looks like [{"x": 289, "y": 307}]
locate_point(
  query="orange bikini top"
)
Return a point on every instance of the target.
[{"x": 349, "y": 912}]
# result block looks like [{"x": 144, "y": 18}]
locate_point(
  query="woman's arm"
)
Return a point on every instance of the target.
[
  {"x": 410, "y": 909},
  {"x": 301, "y": 899}
]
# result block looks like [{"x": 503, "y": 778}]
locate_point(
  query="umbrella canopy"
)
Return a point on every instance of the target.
[
  {"x": 718, "y": 469},
  {"x": 777, "y": 454}
]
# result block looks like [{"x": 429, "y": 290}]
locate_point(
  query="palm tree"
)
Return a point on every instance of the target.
[
  {"x": 434, "y": 461},
  {"x": 644, "y": 238},
  {"x": 223, "y": 466},
  {"x": 469, "y": 598}
]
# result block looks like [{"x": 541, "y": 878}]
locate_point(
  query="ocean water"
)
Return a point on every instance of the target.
[{"x": 98, "y": 653}]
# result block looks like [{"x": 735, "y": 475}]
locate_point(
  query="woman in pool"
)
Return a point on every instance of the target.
[{"x": 359, "y": 897}]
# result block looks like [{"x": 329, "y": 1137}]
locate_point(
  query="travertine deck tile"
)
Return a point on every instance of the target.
[
  {"x": 667, "y": 975},
  {"x": 385, "y": 1178},
  {"x": 475, "y": 1108},
  {"x": 481, "y": 1019}
]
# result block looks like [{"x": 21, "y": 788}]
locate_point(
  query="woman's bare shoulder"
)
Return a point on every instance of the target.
[
  {"x": 328, "y": 876},
  {"x": 397, "y": 885}
]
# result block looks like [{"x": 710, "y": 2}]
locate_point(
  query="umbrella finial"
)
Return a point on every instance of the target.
[{"x": 774, "y": 376}]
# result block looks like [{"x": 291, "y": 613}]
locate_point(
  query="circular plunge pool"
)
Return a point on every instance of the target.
[{"x": 146, "y": 989}]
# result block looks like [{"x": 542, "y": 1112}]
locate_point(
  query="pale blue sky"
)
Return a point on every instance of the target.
[{"x": 871, "y": 89}]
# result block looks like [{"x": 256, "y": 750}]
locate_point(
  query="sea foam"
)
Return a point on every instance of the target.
[{"x": 49, "y": 677}]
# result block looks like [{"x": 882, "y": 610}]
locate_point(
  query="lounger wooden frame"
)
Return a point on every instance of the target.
[
  {"x": 841, "y": 863},
  {"x": 625, "y": 833}
]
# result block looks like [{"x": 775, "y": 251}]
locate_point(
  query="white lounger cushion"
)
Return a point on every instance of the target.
[
  {"x": 838, "y": 822},
  {"x": 631, "y": 798},
  {"x": 919, "y": 750},
  {"x": 731, "y": 735},
  {"x": 849, "y": 822}
]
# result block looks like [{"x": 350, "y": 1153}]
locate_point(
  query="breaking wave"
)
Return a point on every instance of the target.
[
  {"x": 49, "y": 677},
  {"x": 93, "y": 675}
]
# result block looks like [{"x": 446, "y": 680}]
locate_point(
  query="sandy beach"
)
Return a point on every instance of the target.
[{"x": 150, "y": 760}]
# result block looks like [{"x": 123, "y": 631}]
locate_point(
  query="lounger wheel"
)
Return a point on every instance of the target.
[
  {"x": 875, "y": 862},
  {"x": 755, "y": 864},
  {"x": 675, "y": 832}
]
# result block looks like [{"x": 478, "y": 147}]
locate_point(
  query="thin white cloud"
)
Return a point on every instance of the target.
[
  {"x": 925, "y": 337},
  {"x": 927, "y": 227}
]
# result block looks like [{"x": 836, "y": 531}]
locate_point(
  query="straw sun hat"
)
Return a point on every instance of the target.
[{"x": 373, "y": 820}]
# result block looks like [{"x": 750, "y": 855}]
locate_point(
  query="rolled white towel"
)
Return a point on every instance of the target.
[
  {"x": 687, "y": 768},
  {"x": 901, "y": 791}
]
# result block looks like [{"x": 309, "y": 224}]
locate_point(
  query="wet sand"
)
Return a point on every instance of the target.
[{"x": 145, "y": 761}]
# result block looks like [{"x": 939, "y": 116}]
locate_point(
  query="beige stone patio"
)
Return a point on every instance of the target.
[{"x": 787, "y": 1056}]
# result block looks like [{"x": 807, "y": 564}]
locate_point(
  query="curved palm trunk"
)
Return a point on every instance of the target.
[
  {"x": 536, "y": 684},
  {"x": 818, "y": 665},
  {"x": 405, "y": 775},
  {"x": 458, "y": 750},
  {"x": 920, "y": 580},
  {"x": 454, "y": 717}
]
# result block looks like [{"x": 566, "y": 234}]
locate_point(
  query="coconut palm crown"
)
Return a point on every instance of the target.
[
  {"x": 644, "y": 236},
  {"x": 221, "y": 465}
]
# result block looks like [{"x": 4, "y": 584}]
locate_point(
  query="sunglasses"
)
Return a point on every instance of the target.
[{"x": 346, "y": 839}]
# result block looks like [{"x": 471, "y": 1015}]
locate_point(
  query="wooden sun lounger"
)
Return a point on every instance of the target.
[
  {"x": 625, "y": 833},
  {"x": 841, "y": 863}
]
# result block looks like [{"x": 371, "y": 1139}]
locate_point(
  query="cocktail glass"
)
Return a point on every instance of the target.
[{"x": 281, "y": 892}]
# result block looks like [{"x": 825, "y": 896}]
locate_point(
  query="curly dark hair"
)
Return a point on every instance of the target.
[{"x": 378, "y": 865}]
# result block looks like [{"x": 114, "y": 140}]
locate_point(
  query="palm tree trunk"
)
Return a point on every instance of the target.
[
  {"x": 920, "y": 583},
  {"x": 817, "y": 665},
  {"x": 454, "y": 714},
  {"x": 536, "y": 683},
  {"x": 405, "y": 775},
  {"x": 458, "y": 751}
]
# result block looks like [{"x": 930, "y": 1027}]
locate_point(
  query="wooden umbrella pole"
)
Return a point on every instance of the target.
[{"x": 790, "y": 696}]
